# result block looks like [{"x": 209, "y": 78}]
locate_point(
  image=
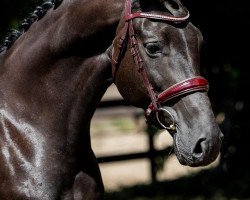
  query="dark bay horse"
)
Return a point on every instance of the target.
[{"x": 55, "y": 70}]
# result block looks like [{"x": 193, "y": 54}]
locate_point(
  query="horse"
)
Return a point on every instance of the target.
[{"x": 55, "y": 69}]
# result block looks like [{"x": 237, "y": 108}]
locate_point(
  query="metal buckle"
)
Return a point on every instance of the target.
[{"x": 172, "y": 126}]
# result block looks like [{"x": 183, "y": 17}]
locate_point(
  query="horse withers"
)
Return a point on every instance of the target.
[{"x": 55, "y": 70}]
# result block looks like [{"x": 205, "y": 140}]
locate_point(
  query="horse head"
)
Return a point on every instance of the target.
[{"x": 156, "y": 57}]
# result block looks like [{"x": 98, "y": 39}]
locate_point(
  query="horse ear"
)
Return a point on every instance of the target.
[
  {"x": 175, "y": 7},
  {"x": 136, "y": 7}
]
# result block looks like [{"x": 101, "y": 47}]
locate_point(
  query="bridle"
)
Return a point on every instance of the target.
[{"x": 184, "y": 87}]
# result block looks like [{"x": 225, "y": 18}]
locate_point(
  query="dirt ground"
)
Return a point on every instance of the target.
[{"x": 115, "y": 131}]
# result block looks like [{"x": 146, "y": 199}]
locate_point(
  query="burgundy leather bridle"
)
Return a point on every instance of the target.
[{"x": 184, "y": 87}]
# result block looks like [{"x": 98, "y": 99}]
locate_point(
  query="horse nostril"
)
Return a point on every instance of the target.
[{"x": 199, "y": 147}]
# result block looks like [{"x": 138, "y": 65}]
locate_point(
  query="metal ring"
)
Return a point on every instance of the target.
[{"x": 172, "y": 126}]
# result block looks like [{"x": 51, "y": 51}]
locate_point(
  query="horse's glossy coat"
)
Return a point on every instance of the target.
[{"x": 53, "y": 77}]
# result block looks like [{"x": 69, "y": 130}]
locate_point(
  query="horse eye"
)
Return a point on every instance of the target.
[{"x": 153, "y": 48}]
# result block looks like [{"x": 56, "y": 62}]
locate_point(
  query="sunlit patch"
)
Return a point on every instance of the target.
[{"x": 220, "y": 118}]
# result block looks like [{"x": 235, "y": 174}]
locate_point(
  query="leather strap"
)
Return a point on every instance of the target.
[
  {"x": 155, "y": 16},
  {"x": 182, "y": 88}
]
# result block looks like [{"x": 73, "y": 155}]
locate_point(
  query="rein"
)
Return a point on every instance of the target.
[{"x": 184, "y": 87}]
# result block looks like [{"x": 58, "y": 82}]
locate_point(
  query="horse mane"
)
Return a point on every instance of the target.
[{"x": 38, "y": 13}]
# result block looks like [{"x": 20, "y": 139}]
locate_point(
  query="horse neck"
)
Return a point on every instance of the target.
[
  {"x": 82, "y": 19},
  {"x": 54, "y": 71},
  {"x": 86, "y": 88},
  {"x": 77, "y": 27}
]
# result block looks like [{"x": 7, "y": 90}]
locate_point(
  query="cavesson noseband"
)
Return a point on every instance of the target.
[{"x": 184, "y": 87}]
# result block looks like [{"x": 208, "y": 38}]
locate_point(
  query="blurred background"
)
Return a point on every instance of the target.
[{"x": 137, "y": 162}]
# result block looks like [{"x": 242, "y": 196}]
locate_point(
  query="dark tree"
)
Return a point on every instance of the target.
[{"x": 224, "y": 25}]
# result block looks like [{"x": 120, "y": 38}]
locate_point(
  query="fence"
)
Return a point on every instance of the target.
[{"x": 151, "y": 154}]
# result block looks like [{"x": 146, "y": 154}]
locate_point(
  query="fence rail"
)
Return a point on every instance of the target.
[{"x": 151, "y": 154}]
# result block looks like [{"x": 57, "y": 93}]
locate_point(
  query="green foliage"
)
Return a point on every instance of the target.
[{"x": 123, "y": 125}]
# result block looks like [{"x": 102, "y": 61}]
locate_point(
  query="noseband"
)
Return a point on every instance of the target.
[{"x": 184, "y": 87}]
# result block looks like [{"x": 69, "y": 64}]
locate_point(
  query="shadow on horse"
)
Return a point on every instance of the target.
[{"x": 55, "y": 69}]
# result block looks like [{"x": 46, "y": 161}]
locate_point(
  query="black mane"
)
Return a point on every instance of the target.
[{"x": 38, "y": 13}]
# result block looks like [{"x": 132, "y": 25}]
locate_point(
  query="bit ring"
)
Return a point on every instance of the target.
[{"x": 172, "y": 126}]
